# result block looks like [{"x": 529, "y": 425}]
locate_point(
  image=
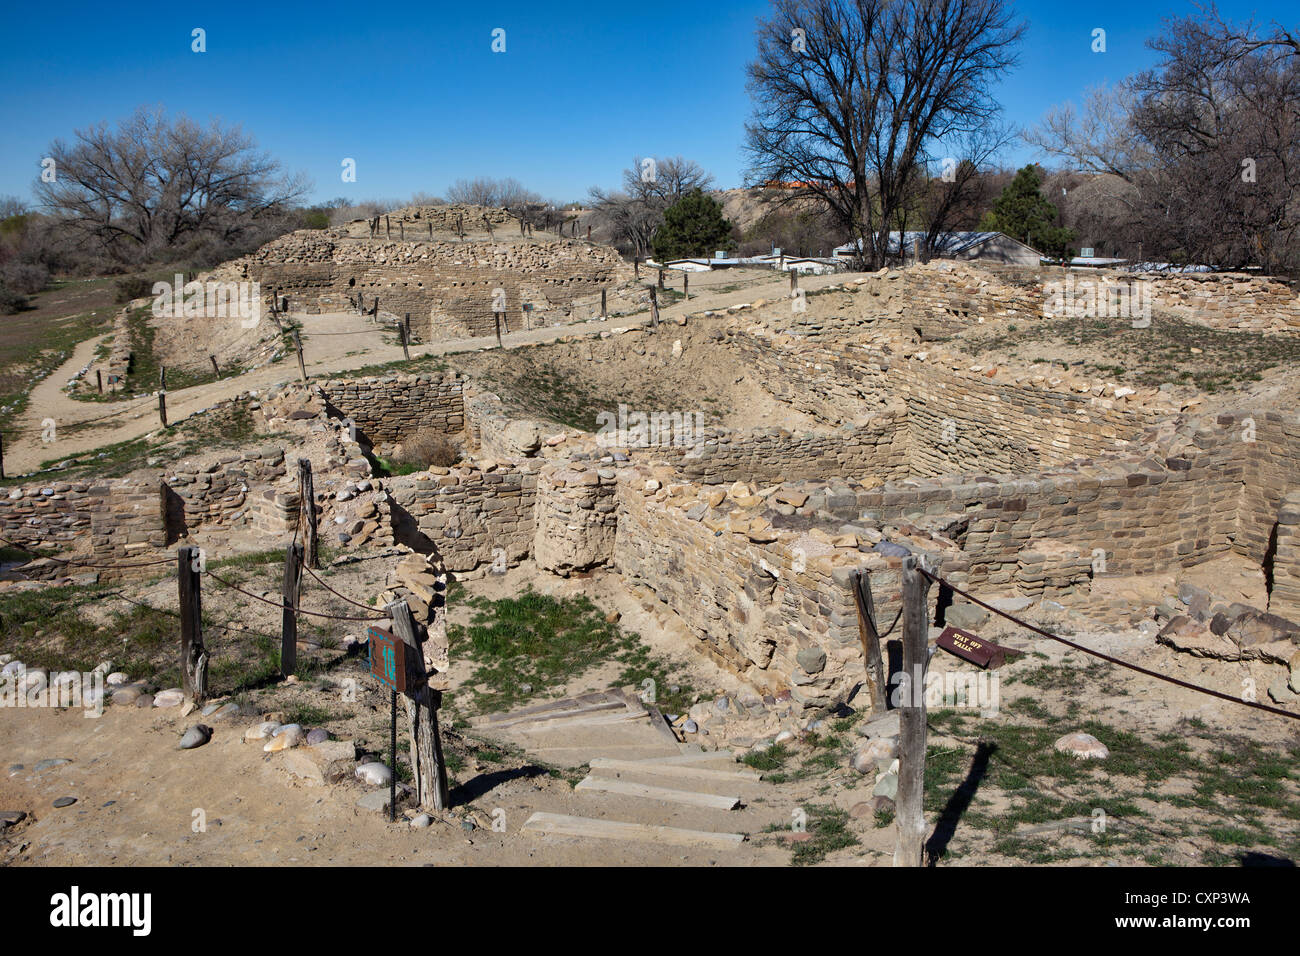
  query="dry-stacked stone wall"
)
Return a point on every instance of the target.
[
  {"x": 1285, "y": 598},
  {"x": 394, "y": 407},
  {"x": 474, "y": 516},
  {"x": 449, "y": 287},
  {"x": 576, "y": 517},
  {"x": 218, "y": 492},
  {"x": 771, "y": 604}
]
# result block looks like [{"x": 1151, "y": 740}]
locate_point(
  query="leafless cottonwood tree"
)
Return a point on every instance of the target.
[
  {"x": 486, "y": 191},
  {"x": 1197, "y": 158},
  {"x": 631, "y": 216},
  {"x": 151, "y": 183},
  {"x": 851, "y": 97}
]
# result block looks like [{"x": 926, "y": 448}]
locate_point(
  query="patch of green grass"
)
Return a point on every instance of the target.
[
  {"x": 532, "y": 639},
  {"x": 773, "y": 758},
  {"x": 829, "y": 827}
]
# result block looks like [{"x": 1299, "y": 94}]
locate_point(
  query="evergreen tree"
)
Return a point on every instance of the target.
[
  {"x": 693, "y": 226},
  {"x": 1024, "y": 213}
]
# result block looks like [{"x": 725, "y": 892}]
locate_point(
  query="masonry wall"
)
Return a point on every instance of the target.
[
  {"x": 104, "y": 522},
  {"x": 877, "y": 447},
  {"x": 447, "y": 286},
  {"x": 576, "y": 516},
  {"x": 217, "y": 492},
  {"x": 392, "y": 408},
  {"x": 467, "y": 513}
]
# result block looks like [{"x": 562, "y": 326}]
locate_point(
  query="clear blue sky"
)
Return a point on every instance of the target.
[{"x": 413, "y": 92}]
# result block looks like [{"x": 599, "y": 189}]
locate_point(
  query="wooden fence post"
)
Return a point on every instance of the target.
[
  {"x": 194, "y": 657},
  {"x": 216, "y": 369},
  {"x": 401, "y": 334},
  {"x": 654, "y": 307},
  {"x": 162, "y": 408},
  {"x": 302, "y": 366},
  {"x": 307, "y": 512},
  {"x": 870, "y": 635},
  {"x": 910, "y": 817},
  {"x": 99, "y": 380},
  {"x": 422, "y": 703},
  {"x": 604, "y": 312},
  {"x": 686, "y": 284},
  {"x": 794, "y": 281},
  {"x": 289, "y": 616}
]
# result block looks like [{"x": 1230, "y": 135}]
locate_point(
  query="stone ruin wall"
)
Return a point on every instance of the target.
[
  {"x": 446, "y": 286},
  {"x": 471, "y": 516},
  {"x": 390, "y": 408},
  {"x": 942, "y": 298}
]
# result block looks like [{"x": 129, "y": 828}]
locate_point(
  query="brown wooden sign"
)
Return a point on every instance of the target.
[
  {"x": 968, "y": 647},
  {"x": 387, "y": 658}
]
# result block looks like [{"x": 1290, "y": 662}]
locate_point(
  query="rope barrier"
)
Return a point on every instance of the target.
[
  {"x": 364, "y": 607},
  {"x": 284, "y": 607},
  {"x": 1107, "y": 657}
]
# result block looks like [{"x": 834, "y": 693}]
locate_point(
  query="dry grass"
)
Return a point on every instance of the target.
[{"x": 428, "y": 448}]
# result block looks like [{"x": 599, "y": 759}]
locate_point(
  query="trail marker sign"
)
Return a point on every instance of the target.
[{"x": 387, "y": 658}]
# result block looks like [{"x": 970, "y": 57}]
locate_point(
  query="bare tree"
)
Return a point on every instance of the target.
[
  {"x": 150, "y": 183},
  {"x": 851, "y": 95},
  {"x": 632, "y": 215},
  {"x": 1198, "y": 157},
  {"x": 485, "y": 191}
]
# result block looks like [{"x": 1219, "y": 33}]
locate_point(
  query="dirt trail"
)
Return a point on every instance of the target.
[
  {"x": 333, "y": 343},
  {"x": 139, "y": 797}
]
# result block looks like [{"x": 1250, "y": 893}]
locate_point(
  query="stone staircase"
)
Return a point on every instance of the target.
[{"x": 660, "y": 790}]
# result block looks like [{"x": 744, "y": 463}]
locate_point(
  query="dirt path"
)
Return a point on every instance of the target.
[
  {"x": 333, "y": 343},
  {"x": 139, "y": 800}
]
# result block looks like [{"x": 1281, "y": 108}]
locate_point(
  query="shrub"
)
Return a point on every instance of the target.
[
  {"x": 429, "y": 448},
  {"x": 133, "y": 287},
  {"x": 25, "y": 278},
  {"x": 10, "y": 302}
]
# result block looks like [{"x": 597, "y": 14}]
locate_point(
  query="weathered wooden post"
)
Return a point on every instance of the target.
[
  {"x": 604, "y": 311},
  {"x": 422, "y": 703},
  {"x": 289, "y": 596},
  {"x": 388, "y": 228},
  {"x": 302, "y": 366},
  {"x": 910, "y": 817},
  {"x": 661, "y": 279},
  {"x": 162, "y": 378},
  {"x": 686, "y": 284},
  {"x": 401, "y": 229},
  {"x": 794, "y": 282},
  {"x": 194, "y": 657},
  {"x": 401, "y": 334},
  {"x": 870, "y": 635},
  {"x": 99, "y": 380},
  {"x": 216, "y": 369},
  {"x": 307, "y": 512},
  {"x": 162, "y": 408},
  {"x": 496, "y": 318},
  {"x": 654, "y": 307}
]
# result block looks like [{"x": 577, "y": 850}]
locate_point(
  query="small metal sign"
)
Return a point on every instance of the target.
[
  {"x": 387, "y": 658},
  {"x": 968, "y": 647}
]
